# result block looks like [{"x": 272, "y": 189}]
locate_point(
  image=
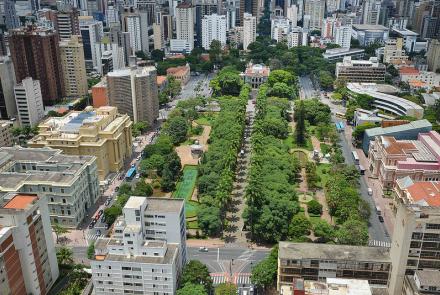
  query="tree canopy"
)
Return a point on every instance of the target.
[{"x": 195, "y": 272}]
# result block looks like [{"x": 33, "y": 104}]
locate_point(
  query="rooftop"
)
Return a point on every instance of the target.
[
  {"x": 405, "y": 32},
  {"x": 181, "y": 70},
  {"x": 428, "y": 277},
  {"x": 20, "y": 202},
  {"x": 370, "y": 27},
  {"x": 408, "y": 71},
  {"x": 400, "y": 128},
  {"x": 165, "y": 205},
  {"x": 425, "y": 193},
  {"x": 257, "y": 69},
  {"x": 161, "y": 79},
  {"x": 134, "y": 203},
  {"x": 289, "y": 250}
]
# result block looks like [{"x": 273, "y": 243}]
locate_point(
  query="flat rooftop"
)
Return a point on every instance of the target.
[
  {"x": 168, "y": 258},
  {"x": 165, "y": 205},
  {"x": 370, "y": 27},
  {"x": 134, "y": 202},
  {"x": 428, "y": 277},
  {"x": 20, "y": 202},
  {"x": 299, "y": 251}
]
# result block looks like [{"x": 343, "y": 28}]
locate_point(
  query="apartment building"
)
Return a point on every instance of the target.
[
  {"x": 416, "y": 236},
  {"x": 316, "y": 10},
  {"x": 433, "y": 55},
  {"x": 423, "y": 282},
  {"x": 185, "y": 26},
  {"x": 297, "y": 37},
  {"x": 255, "y": 75},
  {"x": 394, "y": 51},
  {"x": 8, "y": 107},
  {"x": 28, "y": 261},
  {"x": 249, "y": 29},
  {"x": 134, "y": 92},
  {"x": 343, "y": 36},
  {"x": 29, "y": 100},
  {"x": 100, "y": 94},
  {"x": 66, "y": 23},
  {"x": 107, "y": 47},
  {"x": 74, "y": 66},
  {"x": 317, "y": 262},
  {"x": 146, "y": 251},
  {"x": 91, "y": 32},
  {"x": 368, "y": 71},
  {"x": 392, "y": 159},
  {"x": 69, "y": 183},
  {"x": 131, "y": 23},
  {"x": 6, "y": 138},
  {"x": 279, "y": 29},
  {"x": 102, "y": 132},
  {"x": 213, "y": 28}
]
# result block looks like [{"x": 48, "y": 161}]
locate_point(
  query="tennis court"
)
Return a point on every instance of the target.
[{"x": 185, "y": 188}]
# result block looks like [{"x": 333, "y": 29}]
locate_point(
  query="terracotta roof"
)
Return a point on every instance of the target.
[
  {"x": 416, "y": 83},
  {"x": 176, "y": 56},
  {"x": 20, "y": 202},
  {"x": 179, "y": 71},
  {"x": 408, "y": 71},
  {"x": 161, "y": 79},
  {"x": 427, "y": 191},
  {"x": 394, "y": 147}
]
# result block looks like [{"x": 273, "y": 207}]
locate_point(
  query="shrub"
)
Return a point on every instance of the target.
[{"x": 314, "y": 207}]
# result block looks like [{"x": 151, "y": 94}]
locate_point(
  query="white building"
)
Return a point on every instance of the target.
[
  {"x": 371, "y": 11},
  {"x": 7, "y": 82},
  {"x": 297, "y": 37},
  {"x": 184, "y": 26},
  {"x": 213, "y": 28},
  {"x": 249, "y": 29},
  {"x": 28, "y": 259},
  {"x": 117, "y": 53},
  {"x": 91, "y": 31},
  {"x": 343, "y": 36},
  {"x": 146, "y": 251},
  {"x": 280, "y": 27},
  {"x": 133, "y": 27},
  {"x": 292, "y": 15},
  {"x": 29, "y": 102},
  {"x": 316, "y": 10},
  {"x": 111, "y": 15}
]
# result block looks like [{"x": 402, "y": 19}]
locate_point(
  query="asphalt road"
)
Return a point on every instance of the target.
[{"x": 307, "y": 88}]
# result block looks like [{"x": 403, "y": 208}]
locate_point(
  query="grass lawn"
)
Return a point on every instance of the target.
[
  {"x": 314, "y": 219},
  {"x": 185, "y": 188},
  {"x": 192, "y": 224},
  {"x": 206, "y": 118},
  {"x": 324, "y": 177}
]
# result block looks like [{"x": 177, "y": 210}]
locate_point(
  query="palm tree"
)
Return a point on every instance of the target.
[{"x": 64, "y": 256}]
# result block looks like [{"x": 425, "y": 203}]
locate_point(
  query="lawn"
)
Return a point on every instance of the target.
[
  {"x": 185, "y": 188},
  {"x": 206, "y": 118},
  {"x": 324, "y": 177}
]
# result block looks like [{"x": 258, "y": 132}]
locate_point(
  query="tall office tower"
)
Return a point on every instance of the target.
[
  {"x": 422, "y": 11},
  {"x": 185, "y": 24},
  {"x": 316, "y": 10},
  {"x": 35, "y": 53},
  {"x": 231, "y": 15},
  {"x": 250, "y": 6},
  {"x": 146, "y": 252},
  {"x": 91, "y": 33},
  {"x": 8, "y": 108},
  {"x": 117, "y": 53},
  {"x": 8, "y": 15},
  {"x": 66, "y": 23},
  {"x": 134, "y": 92},
  {"x": 111, "y": 14},
  {"x": 415, "y": 243},
  {"x": 213, "y": 28},
  {"x": 203, "y": 8},
  {"x": 29, "y": 102},
  {"x": 403, "y": 7},
  {"x": 158, "y": 41},
  {"x": 131, "y": 23},
  {"x": 249, "y": 29},
  {"x": 28, "y": 259},
  {"x": 433, "y": 55},
  {"x": 333, "y": 5},
  {"x": 146, "y": 9},
  {"x": 167, "y": 27},
  {"x": 292, "y": 15},
  {"x": 370, "y": 12},
  {"x": 329, "y": 27},
  {"x": 3, "y": 48},
  {"x": 343, "y": 36},
  {"x": 74, "y": 66},
  {"x": 279, "y": 28}
]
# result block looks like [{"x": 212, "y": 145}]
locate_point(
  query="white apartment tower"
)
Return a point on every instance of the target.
[
  {"x": 8, "y": 107},
  {"x": 29, "y": 102},
  {"x": 296, "y": 37},
  {"x": 292, "y": 15},
  {"x": 343, "y": 36},
  {"x": 185, "y": 24},
  {"x": 117, "y": 53},
  {"x": 316, "y": 10},
  {"x": 146, "y": 251},
  {"x": 91, "y": 31},
  {"x": 280, "y": 27},
  {"x": 249, "y": 29},
  {"x": 371, "y": 12},
  {"x": 132, "y": 25},
  {"x": 213, "y": 28},
  {"x": 28, "y": 261}
]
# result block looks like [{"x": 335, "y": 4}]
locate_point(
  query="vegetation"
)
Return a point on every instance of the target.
[
  {"x": 91, "y": 251},
  {"x": 64, "y": 256},
  {"x": 226, "y": 289},
  {"x": 227, "y": 82},
  {"x": 314, "y": 207},
  {"x": 192, "y": 289},
  {"x": 139, "y": 128},
  {"x": 264, "y": 274},
  {"x": 359, "y": 130},
  {"x": 171, "y": 91},
  {"x": 59, "y": 230},
  {"x": 196, "y": 273},
  {"x": 78, "y": 280}
]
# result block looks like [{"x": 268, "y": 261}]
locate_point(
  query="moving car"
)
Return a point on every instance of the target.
[
  {"x": 380, "y": 218},
  {"x": 203, "y": 249},
  {"x": 370, "y": 191}
]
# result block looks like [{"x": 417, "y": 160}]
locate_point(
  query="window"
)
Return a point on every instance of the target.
[
  {"x": 130, "y": 242},
  {"x": 51, "y": 199},
  {"x": 62, "y": 191},
  {"x": 137, "y": 212},
  {"x": 64, "y": 201}
]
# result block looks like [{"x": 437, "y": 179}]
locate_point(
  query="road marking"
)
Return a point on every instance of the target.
[{"x": 376, "y": 243}]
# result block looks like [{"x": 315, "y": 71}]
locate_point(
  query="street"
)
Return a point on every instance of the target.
[{"x": 307, "y": 89}]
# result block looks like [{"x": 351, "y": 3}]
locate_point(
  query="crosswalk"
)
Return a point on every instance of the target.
[
  {"x": 92, "y": 237},
  {"x": 376, "y": 243},
  {"x": 239, "y": 279}
]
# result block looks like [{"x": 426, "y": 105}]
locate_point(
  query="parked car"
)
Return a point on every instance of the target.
[
  {"x": 103, "y": 218},
  {"x": 380, "y": 218},
  {"x": 107, "y": 226},
  {"x": 92, "y": 224},
  {"x": 370, "y": 191},
  {"x": 116, "y": 188}
]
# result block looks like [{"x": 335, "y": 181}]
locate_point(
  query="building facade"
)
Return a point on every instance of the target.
[
  {"x": 316, "y": 10},
  {"x": 213, "y": 28},
  {"x": 249, "y": 30},
  {"x": 134, "y": 92},
  {"x": 343, "y": 36},
  {"x": 367, "y": 71},
  {"x": 423, "y": 282},
  {"x": 101, "y": 132},
  {"x": 91, "y": 32},
  {"x": 8, "y": 107},
  {"x": 393, "y": 51},
  {"x": 255, "y": 75},
  {"x": 185, "y": 24},
  {"x": 29, "y": 100},
  {"x": 28, "y": 258},
  {"x": 6, "y": 138},
  {"x": 433, "y": 55}
]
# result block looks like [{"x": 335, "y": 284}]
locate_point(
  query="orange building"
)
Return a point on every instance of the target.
[
  {"x": 162, "y": 82},
  {"x": 100, "y": 94},
  {"x": 181, "y": 73}
]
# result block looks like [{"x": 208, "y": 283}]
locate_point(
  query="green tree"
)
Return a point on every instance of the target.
[
  {"x": 91, "y": 251},
  {"x": 280, "y": 76},
  {"x": 64, "y": 256},
  {"x": 124, "y": 189},
  {"x": 209, "y": 220},
  {"x": 326, "y": 80},
  {"x": 353, "y": 232},
  {"x": 153, "y": 163},
  {"x": 281, "y": 89},
  {"x": 59, "y": 230},
  {"x": 157, "y": 55},
  {"x": 215, "y": 49},
  {"x": 226, "y": 289},
  {"x": 300, "y": 128},
  {"x": 112, "y": 213},
  {"x": 195, "y": 272},
  {"x": 324, "y": 230},
  {"x": 139, "y": 128},
  {"x": 299, "y": 226},
  {"x": 314, "y": 207},
  {"x": 264, "y": 274},
  {"x": 142, "y": 189},
  {"x": 192, "y": 289},
  {"x": 177, "y": 129},
  {"x": 359, "y": 130}
]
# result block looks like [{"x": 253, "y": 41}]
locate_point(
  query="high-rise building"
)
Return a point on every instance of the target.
[
  {"x": 68, "y": 183},
  {"x": 101, "y": 132},
  {"x": 371, "y": 12},
  {"x": 147, "y": 250},
  {"x": 213, "y": 28},
  {"x": 343, "y": 36},
  {"x": 28, "y": 259},
  {"x": 367, "y": 71},
  {"x": 185, "y": 24},
  {"x": 111, "y": 14},
  {"x": 249, "y": 29},
  {"x": 433, "y": 55},
  {"x": 250, "y": 6},
  {"x": 296, "y": 37},
  {"x": 394, "y": 51},
  {"x": 8, "y": 15},
  {"x": 6, "y": 138},
  {"x": 280, "y": 27},
  {"x": 147, "y": 11},
  {"x": 292, "y": 15},
  {"x": 35, "y": 53},
  {"x": 103, "y": 48},
  {"x": 74, "y": 67},
  {"x": 66, "y": 23},
  {"x": 158, "y": 40},
  {"x": 91, "y": 33},
  {"x": 131, "y": 23},
  {"x": 316, "y": 10},
  {"x": 416, "y": 230},
  {"x": 29, "y": 102},
  {"x": 333, "y": 5},
  {"x": 134, "y": 92},
  {"x": 8, "y": 108},
  {"x": 202, "y": 9}
]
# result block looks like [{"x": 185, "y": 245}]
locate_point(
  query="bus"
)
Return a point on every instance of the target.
[
  {"x": 340, "y": 115},
  {"x": 130, "y": 174},
  {"x": 355, "y": 157}
]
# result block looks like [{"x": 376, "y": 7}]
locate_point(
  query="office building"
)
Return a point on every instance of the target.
[
  {"x": 158, "y": 40},
  {"x": 433, "y": 55},
  {"x": 296, "y": 37},
  {"x": 66, "y": 23},
  {"x": 68, "y": 183},
  {"x": 6, "y": 138},
  {"x": 292, "y": 15},
  {"x": 131, "y": 23},
  {"x": 415, "y": 237},
  {"x": 331, "y": 286},
  {"x": 74, "y": 66},
  {"x": 8, "y": 15},
  {"x": 423, "y": 282},
  {"x": 343, "y": 36},
  {"x": 28, "y": 258},
  {"x": 360, "y": 70},
  {"x": 338, "y": 54},
  {"x": 8, "y": 107},
  {"x": 35, "y": 53},
  {"x": 91, "y": 33},
  {"x": 318, "y": 262},
  {"x": 249, "y": 30},
  {"x": 103, "y": 50},
  {"x": 111, "y": 15},
  {"x": 101, "y": 132},
  {"x": 279, "y": 29},
  {"x": 329, "y": 27},
  {"x": 29, "y": 101},
  {"x": 391, "y": 159},
  {"x": 256, "y": 74},
  {"x": 99, "y": 94},
  {"x": 203, "y": 8},
  {"x": 371, "y": 12},
  {"x": 252, "y": 7},
  {"x": 185, "y": 25},
  {"x": 134, "y": 92},
  {"x": 368, "y": 34},
  {"x": 146, "y": 10},
  {"x": 394, "y": 51},
  {"x": 316, "y": 10},
  {"x": 213, "y": 28},
  {"x": 146, "y": 251}
]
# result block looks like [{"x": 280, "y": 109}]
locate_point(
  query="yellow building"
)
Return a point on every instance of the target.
[{"x": 101, "y": 132}]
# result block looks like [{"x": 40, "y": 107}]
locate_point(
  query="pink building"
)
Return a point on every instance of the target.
[{"x": 392, "y": 159}]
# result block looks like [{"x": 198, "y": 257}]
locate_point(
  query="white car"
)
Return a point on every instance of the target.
[
  {"x": 138, "y": 175},
  {"x": 370, "y": 191}
]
